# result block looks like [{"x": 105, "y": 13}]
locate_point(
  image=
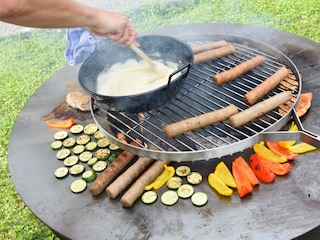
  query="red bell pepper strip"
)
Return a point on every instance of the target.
[
  {"x": 281, "y": 151},
  {"x": 262, "y": 173},
  {"x": 61, "y": 124},
  {"x": 247, "y": 170},
  {"x": 244, "y": 186},
  {"x": 276, "y": 168}
]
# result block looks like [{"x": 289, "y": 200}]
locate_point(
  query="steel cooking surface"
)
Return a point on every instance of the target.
[{"x": 200, "y": 95}]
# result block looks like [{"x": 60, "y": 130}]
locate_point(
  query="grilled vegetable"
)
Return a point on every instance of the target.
[
  {"x": 102, "y": 154},
  {"x": 223, "y": 172},
  {"x": 267, "y": 153},
  {"x": 281, "y": 151},
  {"x": 218, "y": 184},
  {"x": 99, "y": 166},
  {"x": 244, "y": 186},
  {"x": 174, "y": 182},
  {"x": 194, "y": 178},
  {"x": 76, "y": 129},
  {"x": 85, "y": 156},
  {"x": 262, "y": 172},
  {"x": 77, "y": 169},
  {"x": 69, "y": 142},
  {"x": 183, "y": 171},
  {"x": 83, "y": 139},
  {"x": 161, "y": 180},
  {"x": 169, "y": 198},
  {"x": 55, "y": 145},
  {"x": 185, "y": 191},
  {"x": 78, "y": 149},
  {"x": 276, "y": 168},
  {"x": 60, "y": 135},
  {"x": 245, "y": 168},
  {"x": 89, "y": 176},
  {"x": 286, "y": 144},
  {"x": 302, "y": 148},
  {"x": 70, "y": 161},
  {"x": 199, "y": 199},
  {"x": 63, "y": 153},
  {"x": 90, "y": 129},
  {"x": 78, "y": 186},
  {"x": 61, "y": 124},
  {"x": 149, "y": 197},
  {"x": 61, "y": 172}
]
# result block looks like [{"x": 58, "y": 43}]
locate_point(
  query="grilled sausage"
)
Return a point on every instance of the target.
[
  {"x": 214, "y": 54},
  {"x": 208, "y": 46}
]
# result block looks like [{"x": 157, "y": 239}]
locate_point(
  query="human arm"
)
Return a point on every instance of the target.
[{"x": 67, "y": 14}]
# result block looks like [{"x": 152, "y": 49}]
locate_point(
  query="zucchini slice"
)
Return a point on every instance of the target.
[
  {"x": 169, "y": 198},
  {"x": 61, "y": 172},
  {"x": 183, "y": 171},
  {"x": 55, "y": 145},
  {"x": 174, "y": 182},
  {"x": 199, "y": 199},
  {"x": 85, "y": 156},
  {"x": 76, "y": 129},
  {"x": 194, "y": 178},
  {"x": 149, "y": 197},
  {"x": 185, "y": 191},
  {"x": 69, "y": 142},
  {"x": 90, "y": 129},
  {"x": 112, "y": 158},
  {"x": 114, "y": 147},
  {"x": 62, "y": 154},
  {"x": 98, "y": 135},
  {"x": 92, "y": 161},
  {"x": 83, "y": 139},
  {"x": 89, "y": 176},
  {"x": 78, "y": 149},
  {"x": 76, "y": 169},
  {"x": 91, "y": 146},
  {"x": 78, "y": 186},
  {"x": 99, "y": 166},
  {"x": 60, "y": 135},
  {"x": 102, "y": 154},
  {"x": 70, "y": 161},
  {"x": 103, "y": 142}
]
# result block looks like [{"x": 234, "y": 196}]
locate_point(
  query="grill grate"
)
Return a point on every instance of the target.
[{"x": 199, "y": 95}]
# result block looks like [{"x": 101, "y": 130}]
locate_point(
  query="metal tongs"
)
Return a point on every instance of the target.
[{"x": 301, "y": 135}]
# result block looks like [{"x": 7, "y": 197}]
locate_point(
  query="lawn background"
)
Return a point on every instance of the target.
[{"x": 29, "y": 59}]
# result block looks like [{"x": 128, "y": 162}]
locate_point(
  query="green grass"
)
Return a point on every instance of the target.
[{"x": 29, "y": 59}]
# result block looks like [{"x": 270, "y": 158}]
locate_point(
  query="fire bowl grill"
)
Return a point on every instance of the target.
[{"x": 199, "y": 95}]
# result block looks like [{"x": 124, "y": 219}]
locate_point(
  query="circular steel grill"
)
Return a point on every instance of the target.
[{"x": 199, "y": 95}]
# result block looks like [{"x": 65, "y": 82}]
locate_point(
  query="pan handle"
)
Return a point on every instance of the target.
[
  {"x": 187, "y": 66},
  {"x": 301, "y": 135}
]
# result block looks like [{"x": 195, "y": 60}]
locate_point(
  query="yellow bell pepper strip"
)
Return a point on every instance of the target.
[
  {"x": 302, "y": 148},
  {"x": 281, "y": 151},
  {"x": 287, "y": 144},
  {"x": 223, "y": 172},
  {"x": 216, "y": 183},
  {"x": 161, "y": 180},
  {"x": 66, "y": 124},
  {"x": 244, "y": 186},
  {"x": 266, "y": 153}
]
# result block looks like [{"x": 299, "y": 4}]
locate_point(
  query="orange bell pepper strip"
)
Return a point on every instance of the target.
[
  {"x": 276, "y": 168},
  {"x": 244, "y": 186},
  {"x": 266, "y": 153},
  {"x": 262, "y": 173},
  {"x": 61, "y": 124},
  {"x": 247, "y": 171},
  {"x": 281, "y": 151}
]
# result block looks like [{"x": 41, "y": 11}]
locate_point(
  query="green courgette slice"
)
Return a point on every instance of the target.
[
  {"x": 77, "y": 170},
  {"x": 89, "y": 176},
  {"x": 70, "y": 161},
  {"x": 174, "y": 182},
  {"x": 114, "y": 147},
  {"x": 185, "y": 191},
  {"x": 76, "y": 129},
  {"x": 92, "y": 161},
  {"x": 90, "y": 129},
  {"x": 83, "y": 139},
  {"x": 183, "y": 171},
  {"x": 60, "y": 135},
  {"x": 78, "y": 149},
  {"x": 55, "y": 145},
  {"x": 78, "y": 186},
  {"x": 98, "y": 135},
  {"x": 91, "y": 146},
  {"x": 102, "y": 154},
  {"x": 69, "y": 142},
  {"x": 194, "y": 178},
  {"x": 61, "y": 172},
  {"x": 99, "y": 166},
  {"x": 199, "y": 199},
  {"x": 63, "y": 153},
  {"x": 169, "y": 198},
  {"x": 103, "y": 142},
  {"x": 149, "y": 197},
  {"x": 85, "y": 156}
]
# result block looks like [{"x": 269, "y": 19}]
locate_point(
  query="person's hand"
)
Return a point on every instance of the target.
[{"x": 116, "y": 27}]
